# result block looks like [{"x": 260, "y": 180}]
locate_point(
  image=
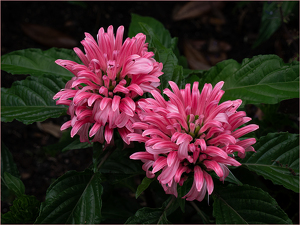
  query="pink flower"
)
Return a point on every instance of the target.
[
  {"x": 101, "y": 94},
  {"x": 190, "y": 135}
]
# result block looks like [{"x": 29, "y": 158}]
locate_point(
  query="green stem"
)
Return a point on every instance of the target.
[
  {"x": 109, "y": 152},
  {"x": 169, "y": 204},
  {"x": 205, "y": 220}
]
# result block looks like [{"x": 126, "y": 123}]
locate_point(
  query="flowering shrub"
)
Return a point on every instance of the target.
[{"x": 193, "y": 144}]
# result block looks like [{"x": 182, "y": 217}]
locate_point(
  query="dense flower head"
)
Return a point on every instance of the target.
[
  {"x": 101, "y": 94},
  {"x": 190, "y": 135}
]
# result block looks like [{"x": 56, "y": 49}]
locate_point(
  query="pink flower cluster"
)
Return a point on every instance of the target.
[
  {"x": 190, "y": 135},
  {"x": 100, "y": 95},
  {"x": 186, "y": 136}
]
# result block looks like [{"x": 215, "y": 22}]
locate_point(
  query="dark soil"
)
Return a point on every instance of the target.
[{"x": 37, "y": 169}]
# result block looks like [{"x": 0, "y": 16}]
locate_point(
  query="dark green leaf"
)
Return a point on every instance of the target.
[
  {"x": 172, "y": 71},
  {"x": 247, "y": 205},
  {"x": 143, "y": 186},
  {"x": 163, "y": 45},
  {"x": 230, "y": 178},
  {"x": 117, "y": 207},
  {"x": 148, "y": 216},
  {"x": 75, "y": 197},
  {"x": 120, "y": 163},
  {"x": 15, "y": 184},
  {"x": 37, "y": 62},
  {"x": 271, "y": 19},
  {"x": 7, "y": 165},
  {"x": 262, "y": 79},
  {"x": 7, "y": 162},
  {"x": 154, "y": 216},
  {"x": 67, "y": 143},
  {"x": 24, "y": 210},
  {"x": 31, "y": 100},
  {"x": 157, "y": 30},
  {"x": 277, "y": 159}
]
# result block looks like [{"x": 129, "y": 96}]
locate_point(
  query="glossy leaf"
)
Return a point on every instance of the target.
[
  {"x": 143, "y": 186},
  {"x": 261, "y": 79},
  {"x": 172, "y": 71},
  {"x": 162, "y": 34},
  {"x": 75, "y": 197},
  {"x": 37, "y": 62},
  {"x": 13, "y": 183},
  {"x": 230, "y": 178},
  {"x": 247, "y": 205},
  {"x": 148, "y": 215},
  {"x": 277, "y": 159},
  {"x": 271, "y": 19},
  {"x": 120, "y": 163},
  {"x": 163, "y": 46},
  {"x": 31, "y": 100}
]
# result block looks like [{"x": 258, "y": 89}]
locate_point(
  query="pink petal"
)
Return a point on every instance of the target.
[
  {"x": 108, "y": 133},
  {"x": 159, "y": 164},
  {"x": 213, "y": 165},
  {"x": 66, "y": 125},
  {"x": 209, "y": 182},
  {"x": 198, "y": 176},
  {"x": 179, "y": 172},
  {"x": 137, "y": 137},
  {"x": 215, "y": 151},
  {"x": 171, "y": 158},
  {"x": 142, "y": 156},
  {"x": 136, "y": 88},
  {"x": 244, "y": 130},
  {"x": 93, "y": 98},
  {"x": 104, "y": 102},
  {"x": 94, "y": 129}
]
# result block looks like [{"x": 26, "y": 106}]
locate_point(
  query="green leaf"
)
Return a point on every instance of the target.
[
  {"x": 15, "y": 184},
  {"x": 117, "y": 207},
  {"x": 261, "y": 79},
  {"x": 230, "y": 178},
  {"x": 148, "y": 215},
  {"x": 25, "y": 210},
  {"x": 75, "y": 197},
  {"x": 67, "y": 143},
  {"x": 7, "y": 165},
  {"x": 120, "y": 163},
  {"x": 143, "y": 186},
  {"x": 247, "y": 205},
  {"x": 277, "y": 159},
  {"x": 157, "y": 28},
  {"x": 31, "y": 100},
  {"x": 271, "y": 19},
  {"x": 7, "y": 162},
  {"x": 163, "y": 46},
  {"x": 37, "y": 62}
]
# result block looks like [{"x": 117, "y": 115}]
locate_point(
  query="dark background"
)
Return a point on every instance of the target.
[{"x": 239, "y": 30}]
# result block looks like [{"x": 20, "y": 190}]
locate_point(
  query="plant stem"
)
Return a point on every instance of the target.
[
  {"x": 109, "y": 152},
  {"x": 165, "y": 210},
  {"x": 205, "y": 220}
]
